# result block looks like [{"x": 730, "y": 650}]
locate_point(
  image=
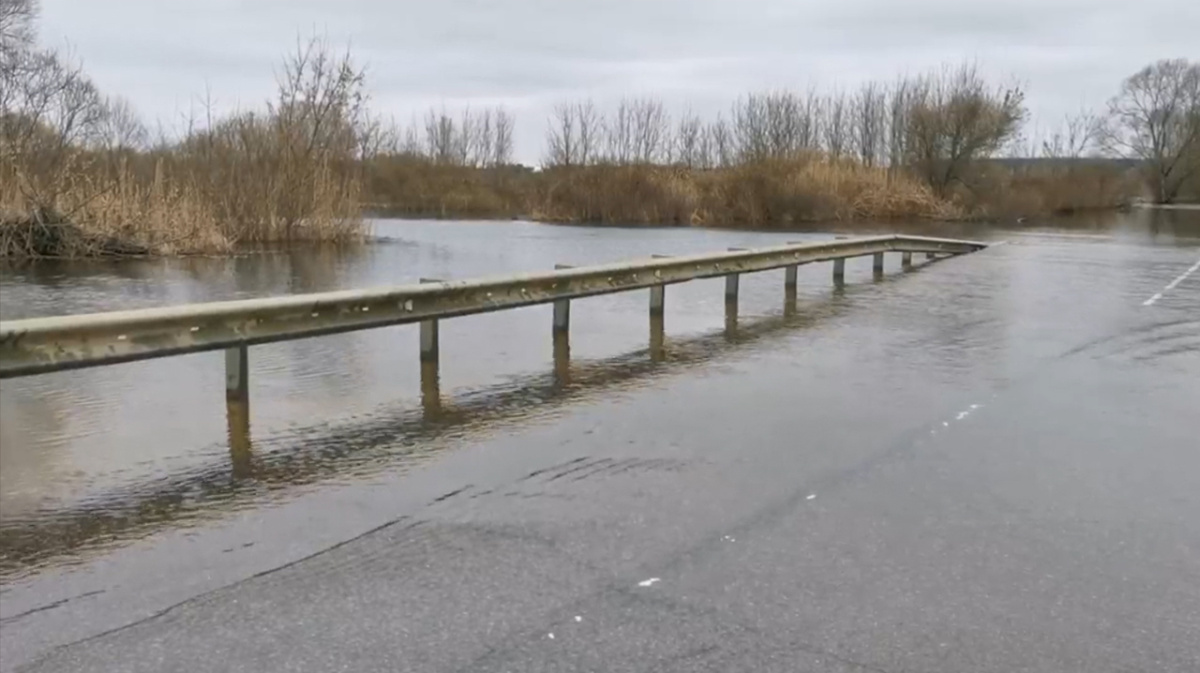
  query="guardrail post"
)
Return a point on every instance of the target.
[
  {"x": 658, "y": 338},
  {"x": 839, "y": 271},
  {"x": 562, "y": 309},
  {"x": 431, "y": 394},
  {"x": 561, "y": 337},
  {"x": 237, "y": 374},
  {"x": 658, "y": 300},
  {"x": 658, "y": 295},
  {"x": 431, "y": 390},
  {"x": 429, "y": 334},
  {"x": 731, "y": 288},
  {"x": 731, "y": 302},
  {"x": 237, "y": 409},
  {"x": 789, "y": 289},
  {"x": 241, "y": 451},
  {"x": 877, "y": 265},
  {"x": 732, "y": 281},
  {"x": 906, "y": 260},
  {"x": 562, "y": 357}
]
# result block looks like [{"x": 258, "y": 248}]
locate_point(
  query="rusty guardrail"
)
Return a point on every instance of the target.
[{"x": 40, "y": 345}]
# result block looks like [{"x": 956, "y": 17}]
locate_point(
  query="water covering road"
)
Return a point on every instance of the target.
[{"x": 989, "y": 463}]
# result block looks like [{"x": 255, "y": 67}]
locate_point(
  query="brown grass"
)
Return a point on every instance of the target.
[
  {"x": 1047, "y": 190},
  {"x": 760, "y": 195},
  {"x": 413, "y": 186},
  {"x": 172, "y": 206}
]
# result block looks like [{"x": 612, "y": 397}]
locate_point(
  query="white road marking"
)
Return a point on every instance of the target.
[
  {"x": 1173, "y": 284},
  {"x": 578, "y": 618},
  {"x": 960, "y": 416},
  {"x": 551, "y": 636},
  {"x": 812, "y": 497},
  {"x": 649, "y": 583}
]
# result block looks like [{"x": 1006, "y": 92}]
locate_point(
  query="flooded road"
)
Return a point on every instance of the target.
[{"x": 988, "y": 463}]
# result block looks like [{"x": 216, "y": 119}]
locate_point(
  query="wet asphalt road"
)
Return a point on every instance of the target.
[{"x": 989, "y": 464}]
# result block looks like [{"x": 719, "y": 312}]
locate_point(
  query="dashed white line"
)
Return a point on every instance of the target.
[
  {"x": 649, "y": 583},
  {"x": 960, "y": 416},
  {"x": 1173, "y": 284}
]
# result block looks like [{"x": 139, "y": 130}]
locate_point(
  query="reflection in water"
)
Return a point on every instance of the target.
[
  {"x": 241, "y": 452},
  {"x": 562, "y": 356},
  {"x": 390, "y": 439},
  {"x": 731, "y": 317},
  {"x": 431, "y": 389},
  {"x": 658, "y": 350}
]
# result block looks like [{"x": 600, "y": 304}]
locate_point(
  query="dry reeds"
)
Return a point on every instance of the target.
[
  {"x": 290, "y": 174},
  {"x": 762, "y": 194}
]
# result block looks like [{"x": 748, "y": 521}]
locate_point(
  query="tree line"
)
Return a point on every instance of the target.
[{"x": 79, "y": 164}]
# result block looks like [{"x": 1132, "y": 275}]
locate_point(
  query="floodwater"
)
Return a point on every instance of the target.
[
  {"x": 101, "y": 455},
  {"x": 94, "y": 461},
  {"x": 89, "y": 453}
]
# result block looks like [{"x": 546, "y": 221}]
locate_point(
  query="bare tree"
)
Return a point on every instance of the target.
[
  {"x": 16, "y": 27},
  {"x": 899, "y": 107},
  {"x": 441, "y": 137},
  {"x": 466, "y": 137},
  {"x": 591, "y": 129},
  {"x": 502, "y": 137},
  {"x": 619, "y": 134},
  {"x": 1156, "y": 117},
  {"x": 321, "y": 100},
  {"x": 1076, "y": 137},
  {"x": 954, "y": 118},
  {"x": 720, "y": 150},
  {"x": 869, "y": 123},
  {"x": 411, "y": 144},
  {"x": 377, "y": 137},
  {"x": 120, "y": 126},
  {"x": 479, "y": 135},
  {"x": 49, "y": 110},
  {"x": 651, "y": 131},
  {"x": 688, "y": 141},
  {"x": 786, "y": 124},
  {"x": 562, "y": 137},
  {"x": 838, "y": 126},
  {"x": 752, "y": 133}
]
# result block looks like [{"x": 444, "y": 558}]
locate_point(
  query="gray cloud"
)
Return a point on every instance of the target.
[{"x": 529, "y": 54}]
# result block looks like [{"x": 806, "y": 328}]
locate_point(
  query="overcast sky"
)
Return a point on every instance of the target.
[{"x": 530, "y": 54}]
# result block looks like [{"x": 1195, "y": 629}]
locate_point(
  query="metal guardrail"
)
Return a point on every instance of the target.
[{"x": 40, "y": 345}]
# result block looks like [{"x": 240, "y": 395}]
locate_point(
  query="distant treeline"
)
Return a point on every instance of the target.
[
  {"x": 928, "y": 146},
  {"x": 81, "y": 175}
]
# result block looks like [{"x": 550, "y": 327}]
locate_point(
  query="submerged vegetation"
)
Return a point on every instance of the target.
[{"x": 81, "y": 176}]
